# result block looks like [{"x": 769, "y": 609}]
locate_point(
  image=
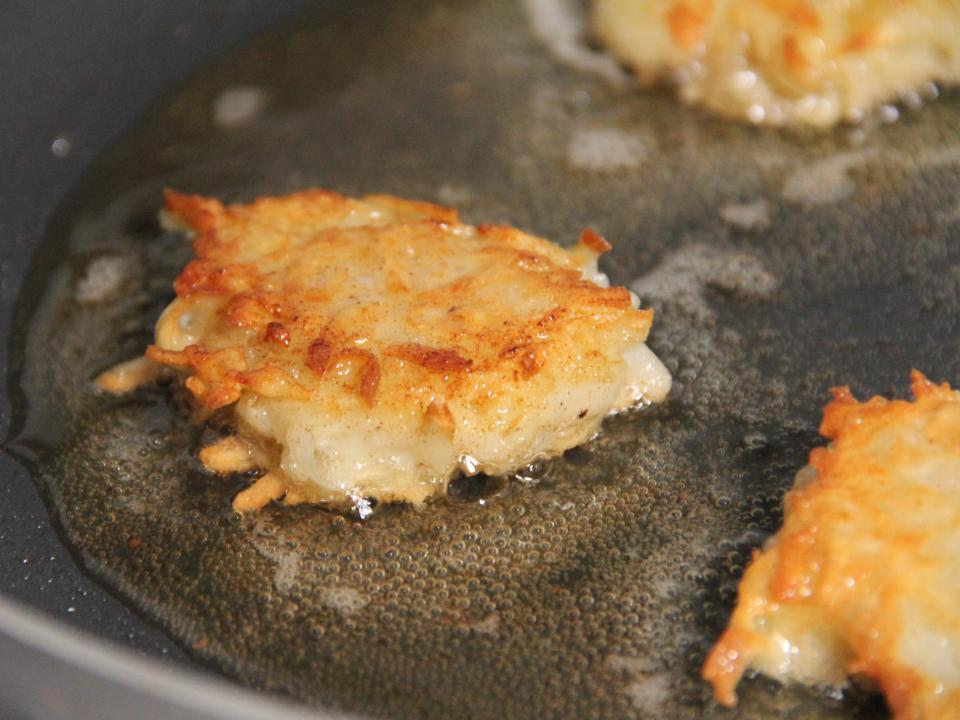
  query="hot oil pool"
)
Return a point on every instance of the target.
[{"x": 593, "y": 585}]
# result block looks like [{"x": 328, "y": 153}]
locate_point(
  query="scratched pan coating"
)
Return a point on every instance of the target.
[{"x": 591, "y": 587}]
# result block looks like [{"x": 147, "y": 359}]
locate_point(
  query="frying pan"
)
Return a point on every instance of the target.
[
  {"x": 81, "y": 72},
  {"x": 779, "y": 264}
]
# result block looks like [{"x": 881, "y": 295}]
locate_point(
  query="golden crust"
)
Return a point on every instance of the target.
[
  {"x": 227, "y": 456},
  {"x": 264, "y": 489},
  {"x": 129, "y": 375},
  {"x": 786, "y": 61},
  {"x": 274, "y": 317},
  {"x": 433, "y": 340},
  {"x": 862, "y": 577}
]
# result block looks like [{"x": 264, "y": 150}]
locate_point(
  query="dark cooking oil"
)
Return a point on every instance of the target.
[{"x": 593, "y": 585}]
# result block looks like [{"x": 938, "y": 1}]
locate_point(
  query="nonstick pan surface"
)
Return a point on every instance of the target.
[{"x": 592, "y": 586}]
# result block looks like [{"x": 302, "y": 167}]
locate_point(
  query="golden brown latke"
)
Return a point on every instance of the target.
[
  {"x": 802, "y": 62},
  {"x": 864, "y": 575},
  {"x": 374, "y": 347}
]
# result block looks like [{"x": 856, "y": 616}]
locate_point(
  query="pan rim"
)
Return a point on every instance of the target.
[{"x": 115, "y": 677}]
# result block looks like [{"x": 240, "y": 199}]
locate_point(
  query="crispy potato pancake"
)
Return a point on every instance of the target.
[
  {"x": 798, "y": 62},
  {"x": 863, "y": 577},
  {"x": 372, "y": 348}
]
